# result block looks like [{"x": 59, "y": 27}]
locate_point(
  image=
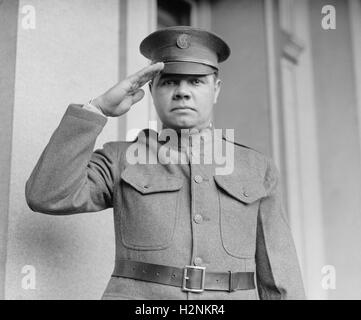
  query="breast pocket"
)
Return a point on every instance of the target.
[
  {"x": 149, "y": 210},
  {"x": 239, "y": 203}
]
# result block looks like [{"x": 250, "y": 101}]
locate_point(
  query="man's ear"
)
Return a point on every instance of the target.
[{"x": 217, "y": 89}]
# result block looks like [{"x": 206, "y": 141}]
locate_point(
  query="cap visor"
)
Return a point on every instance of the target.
[{"x": 181, "y": 67}]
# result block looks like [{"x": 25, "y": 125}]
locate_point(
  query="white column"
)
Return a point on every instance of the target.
[
  {"x": 313, "y": 239},
  {"x": 355, "y": 22},
  {"x": 300, "y": 138},
  {"x": 141, "y": 21},
  {"x": 272, "y": 81}
]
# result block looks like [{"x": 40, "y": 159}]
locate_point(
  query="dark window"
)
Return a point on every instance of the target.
[{"x": 173, "y": 13}]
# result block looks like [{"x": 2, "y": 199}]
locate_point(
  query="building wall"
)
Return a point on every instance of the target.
[
  {"x": 245, "y": 105},
  {"x": 243, "y": 102},
  {"x": 339, "y": 147},
  {"x": 72, "y": 55}
]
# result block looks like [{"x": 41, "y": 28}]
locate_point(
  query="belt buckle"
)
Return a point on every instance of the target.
[{"x": 185, "y": 278}]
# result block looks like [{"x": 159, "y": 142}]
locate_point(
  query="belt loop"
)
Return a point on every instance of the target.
[{"x": 231, "y": 287}]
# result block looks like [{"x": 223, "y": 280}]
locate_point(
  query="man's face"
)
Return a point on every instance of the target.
[{"x": 185, "y": 101}]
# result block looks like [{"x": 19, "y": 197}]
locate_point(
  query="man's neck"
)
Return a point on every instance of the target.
[{"x": 194, "y": 130}]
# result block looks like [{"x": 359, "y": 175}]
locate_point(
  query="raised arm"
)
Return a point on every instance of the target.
[{"x": 69, "y": 177}]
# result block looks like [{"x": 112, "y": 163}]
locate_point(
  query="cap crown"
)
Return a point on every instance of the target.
[{"x": 183, "y": 44}]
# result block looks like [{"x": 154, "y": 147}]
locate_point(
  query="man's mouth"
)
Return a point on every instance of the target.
[{"x": 181, "y": 108}]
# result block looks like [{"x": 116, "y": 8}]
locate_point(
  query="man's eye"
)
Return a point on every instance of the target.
[
  {"x": 196, "y": 81},
  {"x": 168, "y": 82}
]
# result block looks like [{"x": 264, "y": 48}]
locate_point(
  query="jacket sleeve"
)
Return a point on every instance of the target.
[
  {"x": 69, "y": 177},
  {"x": 277, "y": 269}
]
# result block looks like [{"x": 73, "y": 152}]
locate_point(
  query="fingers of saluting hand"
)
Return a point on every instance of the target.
[
  {"x": 140, "y": 78},
  {"x": 118, "y": 99}
]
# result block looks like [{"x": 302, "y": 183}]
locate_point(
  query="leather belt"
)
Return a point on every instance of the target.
[{"x": 189, "y": 278}]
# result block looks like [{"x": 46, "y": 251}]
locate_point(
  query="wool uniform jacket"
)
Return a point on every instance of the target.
[{"x": 171, "y": 214}]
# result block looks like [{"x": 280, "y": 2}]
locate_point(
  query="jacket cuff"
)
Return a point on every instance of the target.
[{"x": 77, "y": 111}]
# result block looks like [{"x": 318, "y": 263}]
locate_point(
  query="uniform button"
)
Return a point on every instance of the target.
[
  {"x": 245, "y": 193},
  {"x": 198, "y": 218},
  {"x": 198, "y": 179},
  {"x": 198, "y": 261}
]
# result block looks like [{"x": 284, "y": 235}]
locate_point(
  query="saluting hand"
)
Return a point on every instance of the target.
[{"x": 118, "y": 99}]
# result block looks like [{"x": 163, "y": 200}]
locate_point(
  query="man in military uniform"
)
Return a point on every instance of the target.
[{"x": 182, "y": 230}]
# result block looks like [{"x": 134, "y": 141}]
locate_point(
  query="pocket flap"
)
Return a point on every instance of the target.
[
  {"x": 247, "y": 191},
  {"x": 147, "y": 183}
]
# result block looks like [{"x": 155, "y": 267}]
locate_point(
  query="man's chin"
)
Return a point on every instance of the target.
[{"x": 178, "y": 125}]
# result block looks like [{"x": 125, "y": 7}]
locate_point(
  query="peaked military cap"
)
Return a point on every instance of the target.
[{"x": 185, "y": 50}]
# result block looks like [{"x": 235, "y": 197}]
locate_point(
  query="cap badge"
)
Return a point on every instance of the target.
[{"x": 183, "y": 41}]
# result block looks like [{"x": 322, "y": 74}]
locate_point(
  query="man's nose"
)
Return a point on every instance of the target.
[{"x": 181, "y": 91}]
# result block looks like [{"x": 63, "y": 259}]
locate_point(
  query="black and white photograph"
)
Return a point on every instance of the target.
[{"x": 180, "y": 150}]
